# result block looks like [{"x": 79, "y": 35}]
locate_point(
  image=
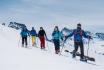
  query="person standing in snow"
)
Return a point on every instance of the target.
[
  {"x": 33, "y": 36},
  {"x": 42, "y": 36},
  {"x": 56, "y": 36},
  {"x": 78, "y": 42},
  {"x": 24, "y": 34}
]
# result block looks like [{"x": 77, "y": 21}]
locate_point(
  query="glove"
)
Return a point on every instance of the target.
[
  {"x": 46, "y": 38},
  {"x": 66, "y": 37},
  {"x": 90, "y": 37}
]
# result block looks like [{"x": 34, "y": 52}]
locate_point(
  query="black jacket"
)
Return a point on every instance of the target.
[{"x": 41, "y": 33}]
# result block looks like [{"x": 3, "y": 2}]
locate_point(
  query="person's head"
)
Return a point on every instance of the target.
[
  {"x": 24, "y": 29},
  {"x": 32, "y": 28},
  {"x": 78, "y": 26},
  {"x": 56, "y": 28},
  {"x": 41, "y": 28}
]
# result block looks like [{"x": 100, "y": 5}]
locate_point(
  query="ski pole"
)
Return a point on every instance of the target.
[
  {"x": 62, "y": 47},
  {"x": 37, "y": 41},
  {"x": 47, "y": 44}
]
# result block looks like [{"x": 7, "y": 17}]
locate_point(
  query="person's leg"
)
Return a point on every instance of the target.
[
  {"x": 55, "y": 44},
  {"x": 81, "y": 50},
  {"x": 58, "y": 46},
  {"x": 25, "y": 38},
  {"x": 42, "y": 42},
  {"x": 75, "y": 49},
  {"x": 22, "y": 41},
  {"x": 33, "y": 40}
]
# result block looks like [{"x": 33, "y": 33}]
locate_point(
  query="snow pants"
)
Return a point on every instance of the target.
[
  {"x": 33, "y": 40},
  {"x": 24, "y": 40},
  {"x": 80, "y": 45},
  {"x": 57, "y": 45},
  {"x": 42, "y": 42}
]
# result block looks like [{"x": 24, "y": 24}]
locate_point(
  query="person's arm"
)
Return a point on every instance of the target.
[
  {"x": 45, "y": 34},
  {"x": 28, "y": 32},
  {"x": 61, "y": 36},
  {"x": 71, "y": 34},
  {"x": 21, "y": 33},
  {"x": 38, "y": 34},
  {"x": 86, "y": 36},
  {"x": 53, "y": 33}
]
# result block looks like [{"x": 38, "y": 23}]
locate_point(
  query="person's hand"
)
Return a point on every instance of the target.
[
  {"x": 90, "y": 38},
  {"x": 65, "y": 38},
  {"x": 46, "y": 38}
]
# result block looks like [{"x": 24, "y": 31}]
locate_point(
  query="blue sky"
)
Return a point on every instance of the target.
[{"x": 58, "y": 12}]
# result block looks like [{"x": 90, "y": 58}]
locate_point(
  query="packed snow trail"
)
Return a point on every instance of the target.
[{"x": 14, "y": 57}]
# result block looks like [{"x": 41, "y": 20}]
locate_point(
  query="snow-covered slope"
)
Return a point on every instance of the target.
[{"x": 14, "y": 57}]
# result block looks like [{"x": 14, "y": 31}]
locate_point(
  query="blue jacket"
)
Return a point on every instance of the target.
[
  {"x": 78, "y": 35},
  {"x": 56, "y": 35},
  {"x": 24, "y": 33},
  {"x": 33, "y": 33}
]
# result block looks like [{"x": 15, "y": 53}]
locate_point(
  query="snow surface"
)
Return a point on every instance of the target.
[{"x": 14, "y": 57}]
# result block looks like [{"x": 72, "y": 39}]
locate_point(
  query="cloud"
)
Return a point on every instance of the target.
[{"x": 89, "y": 12}]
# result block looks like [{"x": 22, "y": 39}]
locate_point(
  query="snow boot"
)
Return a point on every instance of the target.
[
  {"x": 83, "y": 59},
  {"x": 73, "y": 55}
]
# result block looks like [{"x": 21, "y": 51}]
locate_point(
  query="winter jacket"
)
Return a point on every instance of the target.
[
  {"x": 78, "y": 35},
  {"x": 33, "y": 33},
  {"x": 24, "y": 33},
  {"x": 56, "y": 35},
  {"x": 41, "y": 33}
]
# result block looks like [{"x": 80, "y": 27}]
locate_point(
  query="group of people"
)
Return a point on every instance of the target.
[
  {"x": 26, "y": 33},
  {"x": 78, "y": 34}
]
